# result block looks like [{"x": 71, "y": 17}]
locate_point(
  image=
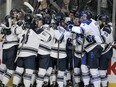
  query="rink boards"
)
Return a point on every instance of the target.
[{"x": 112, "y": 71}]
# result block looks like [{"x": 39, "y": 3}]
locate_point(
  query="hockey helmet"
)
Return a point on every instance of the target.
[
  {"x": 28, "y": 18},
  {"x": 104, "y": 18},
  {"x": 47, "y": 19},
  {"x": 14, "y": 12},
  {"x": 73, "y": 10},
  {"x": 86, "y": 14},
  {"x": 38, "y": 17},
  {"x": 59, "y": 17}
]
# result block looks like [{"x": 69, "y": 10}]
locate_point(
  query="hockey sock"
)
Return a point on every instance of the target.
[
  {"x": 33, "y": 77},
  {"x": 95, "y": 77},
  {"x": 18, "y": 75},
  {"x": 103, "y": 75},
  {"x": 47, "y": 75},
  {"x": 27, "y": 77},
  {"x": 68, "y": 76},
  {"x": 7, "y": 76},
  {"x": 40, "y": 77},
  {"x": 77, "y": 75},
  {"x": 60, "y": 78},
  {"x": 65, "y": 77},
  {"x": 52, "y": 77},
  {"x": 2, "y": 71},
  {"x": 85, "y": 74}
]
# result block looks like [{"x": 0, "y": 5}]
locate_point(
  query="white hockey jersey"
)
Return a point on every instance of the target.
[
  {"x": 78, "y": 47},
  {"x": 62, "y": 35},
  {"x": 10, "y": 40},
  {"x": 89, "y": 28},
  {"x": 45, "y": 47},
  {"x": 29, "y": 41},
  {"x": 107, "y": 33}
]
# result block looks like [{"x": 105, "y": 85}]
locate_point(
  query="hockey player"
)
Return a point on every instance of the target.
[
  {"x": 10, "y": 44},
  {"x": 28, "y": 48},
  {"x": 84, "y": 67},
  {"x": 92, "y": 46},
  {"x": 72, "y": 12},
  {"x": 69, "y": 48},
  {"x": 107, "y": 35},
  {"x": 44, "y": 51},
  {"x": 58, "y": 50},
  {"x": 18, "y": 75},
  {"x": 78, "y": 53}
]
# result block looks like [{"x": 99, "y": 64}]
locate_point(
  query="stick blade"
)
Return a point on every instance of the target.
[{"x": 29, "y": 6}]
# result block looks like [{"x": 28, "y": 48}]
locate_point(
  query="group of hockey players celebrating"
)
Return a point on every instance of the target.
[{"x": 46, "y": 49}]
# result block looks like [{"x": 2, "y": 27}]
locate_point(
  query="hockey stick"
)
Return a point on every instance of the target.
[
  {"x": 40, "y": 0},
  {"x": 37, "y": 6},
  {"x": 34, "y": 10},
  {"x": 57, "y": 66},
  {"x": 73, "y": 49},
  {"x": 55, "y": 84},
  {"x": 23, "y": 11},
  {"x": 18, "y": 52},
  {"x": 56, "y": 6},
  {"x": 29, "y": 6}
]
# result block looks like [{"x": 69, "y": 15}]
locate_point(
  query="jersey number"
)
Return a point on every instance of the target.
[{"x": 25, "y": 38}]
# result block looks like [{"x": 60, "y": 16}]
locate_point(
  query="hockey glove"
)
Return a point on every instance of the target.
[
  {"x": 79, "y": 39},
  {"x": 6, "y": 31},
  {"x": 76, "y": 29}
]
